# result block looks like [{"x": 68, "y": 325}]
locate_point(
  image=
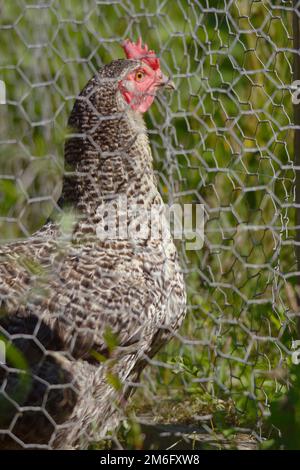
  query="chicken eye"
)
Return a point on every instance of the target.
[{"x": 139, "y": 76}]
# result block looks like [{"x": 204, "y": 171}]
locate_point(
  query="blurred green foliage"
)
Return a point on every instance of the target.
[
  {"x": 223, "y": 139},
  {"x": 284, "y": 420}
]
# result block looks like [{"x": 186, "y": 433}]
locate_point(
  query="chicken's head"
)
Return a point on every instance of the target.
[{"x": 139, "y": 86}]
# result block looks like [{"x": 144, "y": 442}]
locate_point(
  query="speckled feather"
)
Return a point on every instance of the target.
[{"x": 61, "y": 292}]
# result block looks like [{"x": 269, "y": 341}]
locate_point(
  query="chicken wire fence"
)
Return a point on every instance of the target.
[{"x": 224, "y": 138}]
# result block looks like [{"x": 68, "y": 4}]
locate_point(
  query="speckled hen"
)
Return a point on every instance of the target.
[{"x": 81, "y": 310}]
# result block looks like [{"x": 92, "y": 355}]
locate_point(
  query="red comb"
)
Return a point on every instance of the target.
[{"x": 137, "y": 51}]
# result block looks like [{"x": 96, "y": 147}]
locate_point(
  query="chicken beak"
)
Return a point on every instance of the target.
[{"x": 167, "y": 83}]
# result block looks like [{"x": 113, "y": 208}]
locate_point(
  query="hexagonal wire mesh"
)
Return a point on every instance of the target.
[{"x": 223, "y": 139}]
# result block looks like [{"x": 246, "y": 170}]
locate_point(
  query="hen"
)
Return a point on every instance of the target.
[{"x": 83, "y": 309}]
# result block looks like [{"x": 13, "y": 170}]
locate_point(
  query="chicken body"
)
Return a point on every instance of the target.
[{"x": 84, "y": 311}]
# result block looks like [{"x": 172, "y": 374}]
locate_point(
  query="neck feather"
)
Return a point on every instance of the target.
[{"x": 106, "y": 158}]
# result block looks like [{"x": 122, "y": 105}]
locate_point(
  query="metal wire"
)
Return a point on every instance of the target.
[{"x": 224, "y": 139}]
